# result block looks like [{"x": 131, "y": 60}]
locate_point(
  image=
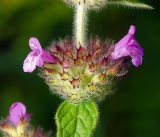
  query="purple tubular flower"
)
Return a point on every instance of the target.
[
  {"x": 128, "y": 46},
  {"x": 37, "y": 56},
  {"x": 17, "y": 112}
]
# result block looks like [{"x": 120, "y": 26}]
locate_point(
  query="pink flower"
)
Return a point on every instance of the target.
[
  {"x": 37, "y": 56},
  {"x": 17, "y": 113},
  {"x": 128, "y": 46}
]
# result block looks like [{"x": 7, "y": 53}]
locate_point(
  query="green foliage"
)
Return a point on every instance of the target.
[
  {"x": 130, "y": 3},
  {"x": 76, "y": 120}
]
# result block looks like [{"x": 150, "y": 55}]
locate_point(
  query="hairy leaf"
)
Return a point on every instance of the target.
[
  {"x": 130, "y": 3},
  {"x": 76, "y": 120}
]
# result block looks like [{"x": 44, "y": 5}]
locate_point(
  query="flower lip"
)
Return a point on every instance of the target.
[
  {"x": 17, "y": 113},
  {"x": 128, "y": 46}
]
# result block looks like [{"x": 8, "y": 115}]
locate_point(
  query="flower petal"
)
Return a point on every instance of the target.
[
  {"x": 47, "y": 57},
  {"x": 135, "y": 48},
  {"x": 136, "y": 52},
  {"x": 29, "y": 64},
  {"x": 39, "y": 61},
  {"x": 31, "y": 61},
  {"x": 119, "y": 51},
  {"x": 137, "y": 60},
  {"x": 132, "y": 30},
  {"x": 35, "y": 45}
]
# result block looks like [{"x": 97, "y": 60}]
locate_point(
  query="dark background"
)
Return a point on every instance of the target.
[{"x": 133, "y": 111}]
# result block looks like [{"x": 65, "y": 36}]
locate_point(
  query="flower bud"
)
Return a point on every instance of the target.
[{"x": 92, "y": 4}]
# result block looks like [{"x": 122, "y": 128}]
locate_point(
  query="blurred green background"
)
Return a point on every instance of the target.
[{"x": 134, "y": 109}]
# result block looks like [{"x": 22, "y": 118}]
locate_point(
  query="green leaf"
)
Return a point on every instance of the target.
[
  {"x": 130, "y": 3},
  {"x": 76, "y": 120}
]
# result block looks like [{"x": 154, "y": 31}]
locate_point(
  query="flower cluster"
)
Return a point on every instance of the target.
[
  {"x": 87, "y": 72},
  {"x": 17, "y": 123}
]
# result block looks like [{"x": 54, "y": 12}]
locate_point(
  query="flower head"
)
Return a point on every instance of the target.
[
  {"x": 82, "y": 73},
  {"x": 128, "y": 46},
  {"x": 37, "y": 56},
  {"x": 17, "y": 113}
]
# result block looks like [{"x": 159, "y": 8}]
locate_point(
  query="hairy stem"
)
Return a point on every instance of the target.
[{"x": 80, "y": 22}]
